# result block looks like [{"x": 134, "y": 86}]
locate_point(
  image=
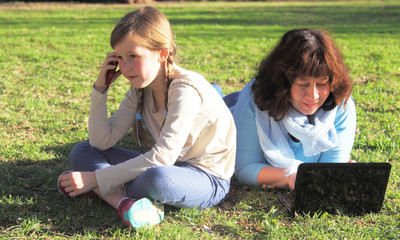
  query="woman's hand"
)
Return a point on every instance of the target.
[
  {"x": 77, "y": 183},
  {"x": 292, "y": 180},
  {"x": 100, "y": 84},
  {"x": 276, "y": 177}
]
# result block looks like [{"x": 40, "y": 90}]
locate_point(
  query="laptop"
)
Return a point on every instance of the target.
[{"x": 345, "y": 188}]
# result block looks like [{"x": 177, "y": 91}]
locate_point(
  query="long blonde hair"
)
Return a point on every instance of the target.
[{"x": 152, "y": 30}]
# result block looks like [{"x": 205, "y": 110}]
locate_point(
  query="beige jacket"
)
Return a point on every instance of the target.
[{"x": 199, "y": 130}]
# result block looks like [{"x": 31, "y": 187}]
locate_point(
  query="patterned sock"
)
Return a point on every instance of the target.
[{"x": 140, "y": 213}]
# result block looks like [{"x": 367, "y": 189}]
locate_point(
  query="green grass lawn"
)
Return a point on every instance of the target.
[{"x": 50, "y": 56}]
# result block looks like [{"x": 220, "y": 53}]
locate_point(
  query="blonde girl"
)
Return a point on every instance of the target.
[{"x": 191, "y": 132}]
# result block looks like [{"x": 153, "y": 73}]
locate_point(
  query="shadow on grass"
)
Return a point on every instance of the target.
[
  {"x": 247, "y": 22},
  {"x": 32, "y": 204},
  {"x": 362, "y": 19},
  {"x": 285, "y": 15},
  {"x": 31, "y": 201}
]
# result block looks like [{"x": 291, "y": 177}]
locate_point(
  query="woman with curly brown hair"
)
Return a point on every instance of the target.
[{"x": 297, "y": 109}]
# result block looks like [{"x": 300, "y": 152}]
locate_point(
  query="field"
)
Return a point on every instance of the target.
[{"x": 50, "y": 55}]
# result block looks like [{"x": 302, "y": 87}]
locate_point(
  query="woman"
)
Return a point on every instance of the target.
[{"x": 297, "y": 109}]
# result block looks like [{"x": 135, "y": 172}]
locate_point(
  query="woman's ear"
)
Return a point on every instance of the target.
[{"x": 164, "y": 53}]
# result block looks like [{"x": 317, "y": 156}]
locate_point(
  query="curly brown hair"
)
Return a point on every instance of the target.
[{"x": 300, "y": 53}]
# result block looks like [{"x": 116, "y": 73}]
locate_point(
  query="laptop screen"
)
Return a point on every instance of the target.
[{"x": 348, "y": 188}]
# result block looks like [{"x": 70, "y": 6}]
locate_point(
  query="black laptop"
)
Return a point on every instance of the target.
[{"x": 345, "y": 188}]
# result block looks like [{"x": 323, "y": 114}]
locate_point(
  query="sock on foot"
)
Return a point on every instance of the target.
[{"x": 140, "y": 213}]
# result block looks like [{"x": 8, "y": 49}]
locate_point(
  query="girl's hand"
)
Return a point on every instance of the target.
[
  {"x": 100, "y": 84},
  {"x": 77, "y": 183}
]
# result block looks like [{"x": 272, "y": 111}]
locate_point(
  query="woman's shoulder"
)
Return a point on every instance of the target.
[
  {"x": 346, "y": 113},
  {"x": 248, "y": 87},
  {"x": 245, "y": 106},
  {"x": 246, "y": 95},
  {"x": 346, "y": 107}
]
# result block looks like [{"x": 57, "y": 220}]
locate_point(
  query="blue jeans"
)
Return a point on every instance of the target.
[
  {"x": 180, "y": 185},
  {"x": 231, "y": 99}
]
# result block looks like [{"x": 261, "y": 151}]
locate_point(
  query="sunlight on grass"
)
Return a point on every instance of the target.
[{"x": 50, "y": 55}]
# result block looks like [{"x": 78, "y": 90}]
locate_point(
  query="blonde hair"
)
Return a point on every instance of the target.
[{"x": 151, "y": 30}]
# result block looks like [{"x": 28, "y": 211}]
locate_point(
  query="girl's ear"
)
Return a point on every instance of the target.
[{"x": 164, "y": 53}]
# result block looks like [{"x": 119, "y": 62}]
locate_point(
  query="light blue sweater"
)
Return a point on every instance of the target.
[{"x": 250, "y": 158}]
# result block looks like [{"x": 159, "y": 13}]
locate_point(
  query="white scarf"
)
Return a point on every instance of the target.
[{"x": 274, "y": 137}]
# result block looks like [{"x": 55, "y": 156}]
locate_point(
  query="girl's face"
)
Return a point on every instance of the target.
[
  {"x": 138, "y": 64},
  {"x": 308, "y": 94}
]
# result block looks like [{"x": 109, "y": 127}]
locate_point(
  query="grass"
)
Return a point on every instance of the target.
[{"x": 50, "y": 55}]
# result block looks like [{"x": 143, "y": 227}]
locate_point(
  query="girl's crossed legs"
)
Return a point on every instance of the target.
[{"x": 180, "y": 185}]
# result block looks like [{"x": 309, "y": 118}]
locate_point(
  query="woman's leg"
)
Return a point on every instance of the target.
[
  {"x": 231, "y": 99},
  {"x": 181, "y": 185}
]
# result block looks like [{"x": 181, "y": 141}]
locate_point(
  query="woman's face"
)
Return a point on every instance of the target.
[{"x": 308, "y": 94}]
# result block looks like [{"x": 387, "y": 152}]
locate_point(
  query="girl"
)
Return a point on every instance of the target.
[
  {"x": 191, "y": 159},
  {"x": 297, "y": 109}
]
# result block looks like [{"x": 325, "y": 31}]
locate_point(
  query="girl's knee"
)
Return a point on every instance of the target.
[
  {"x": 154, "y": 183},
  {"x": 77, "y": 153},
  {"x": 156, "y": 177}
]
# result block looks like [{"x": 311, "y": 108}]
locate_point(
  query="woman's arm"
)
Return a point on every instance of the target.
[
  {"x": 251, "y": 165},
  {"x": 276, "y": 177},
  {"x": 249, "y": 155}
]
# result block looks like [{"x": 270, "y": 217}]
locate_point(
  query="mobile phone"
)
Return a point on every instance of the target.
[{"x": 111, "y": 72}]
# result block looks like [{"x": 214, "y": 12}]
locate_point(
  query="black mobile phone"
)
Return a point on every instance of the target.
[{"x": 111, "y": 72}]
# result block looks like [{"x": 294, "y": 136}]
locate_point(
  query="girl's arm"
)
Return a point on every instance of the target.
[
  {"x": 103, "y": 132},
  {"x": 345, "y": 125},
  {"x": 106, "y": 132},
  {"x": 184, "y": 105},
  {"x": 108, "y": 64}
]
